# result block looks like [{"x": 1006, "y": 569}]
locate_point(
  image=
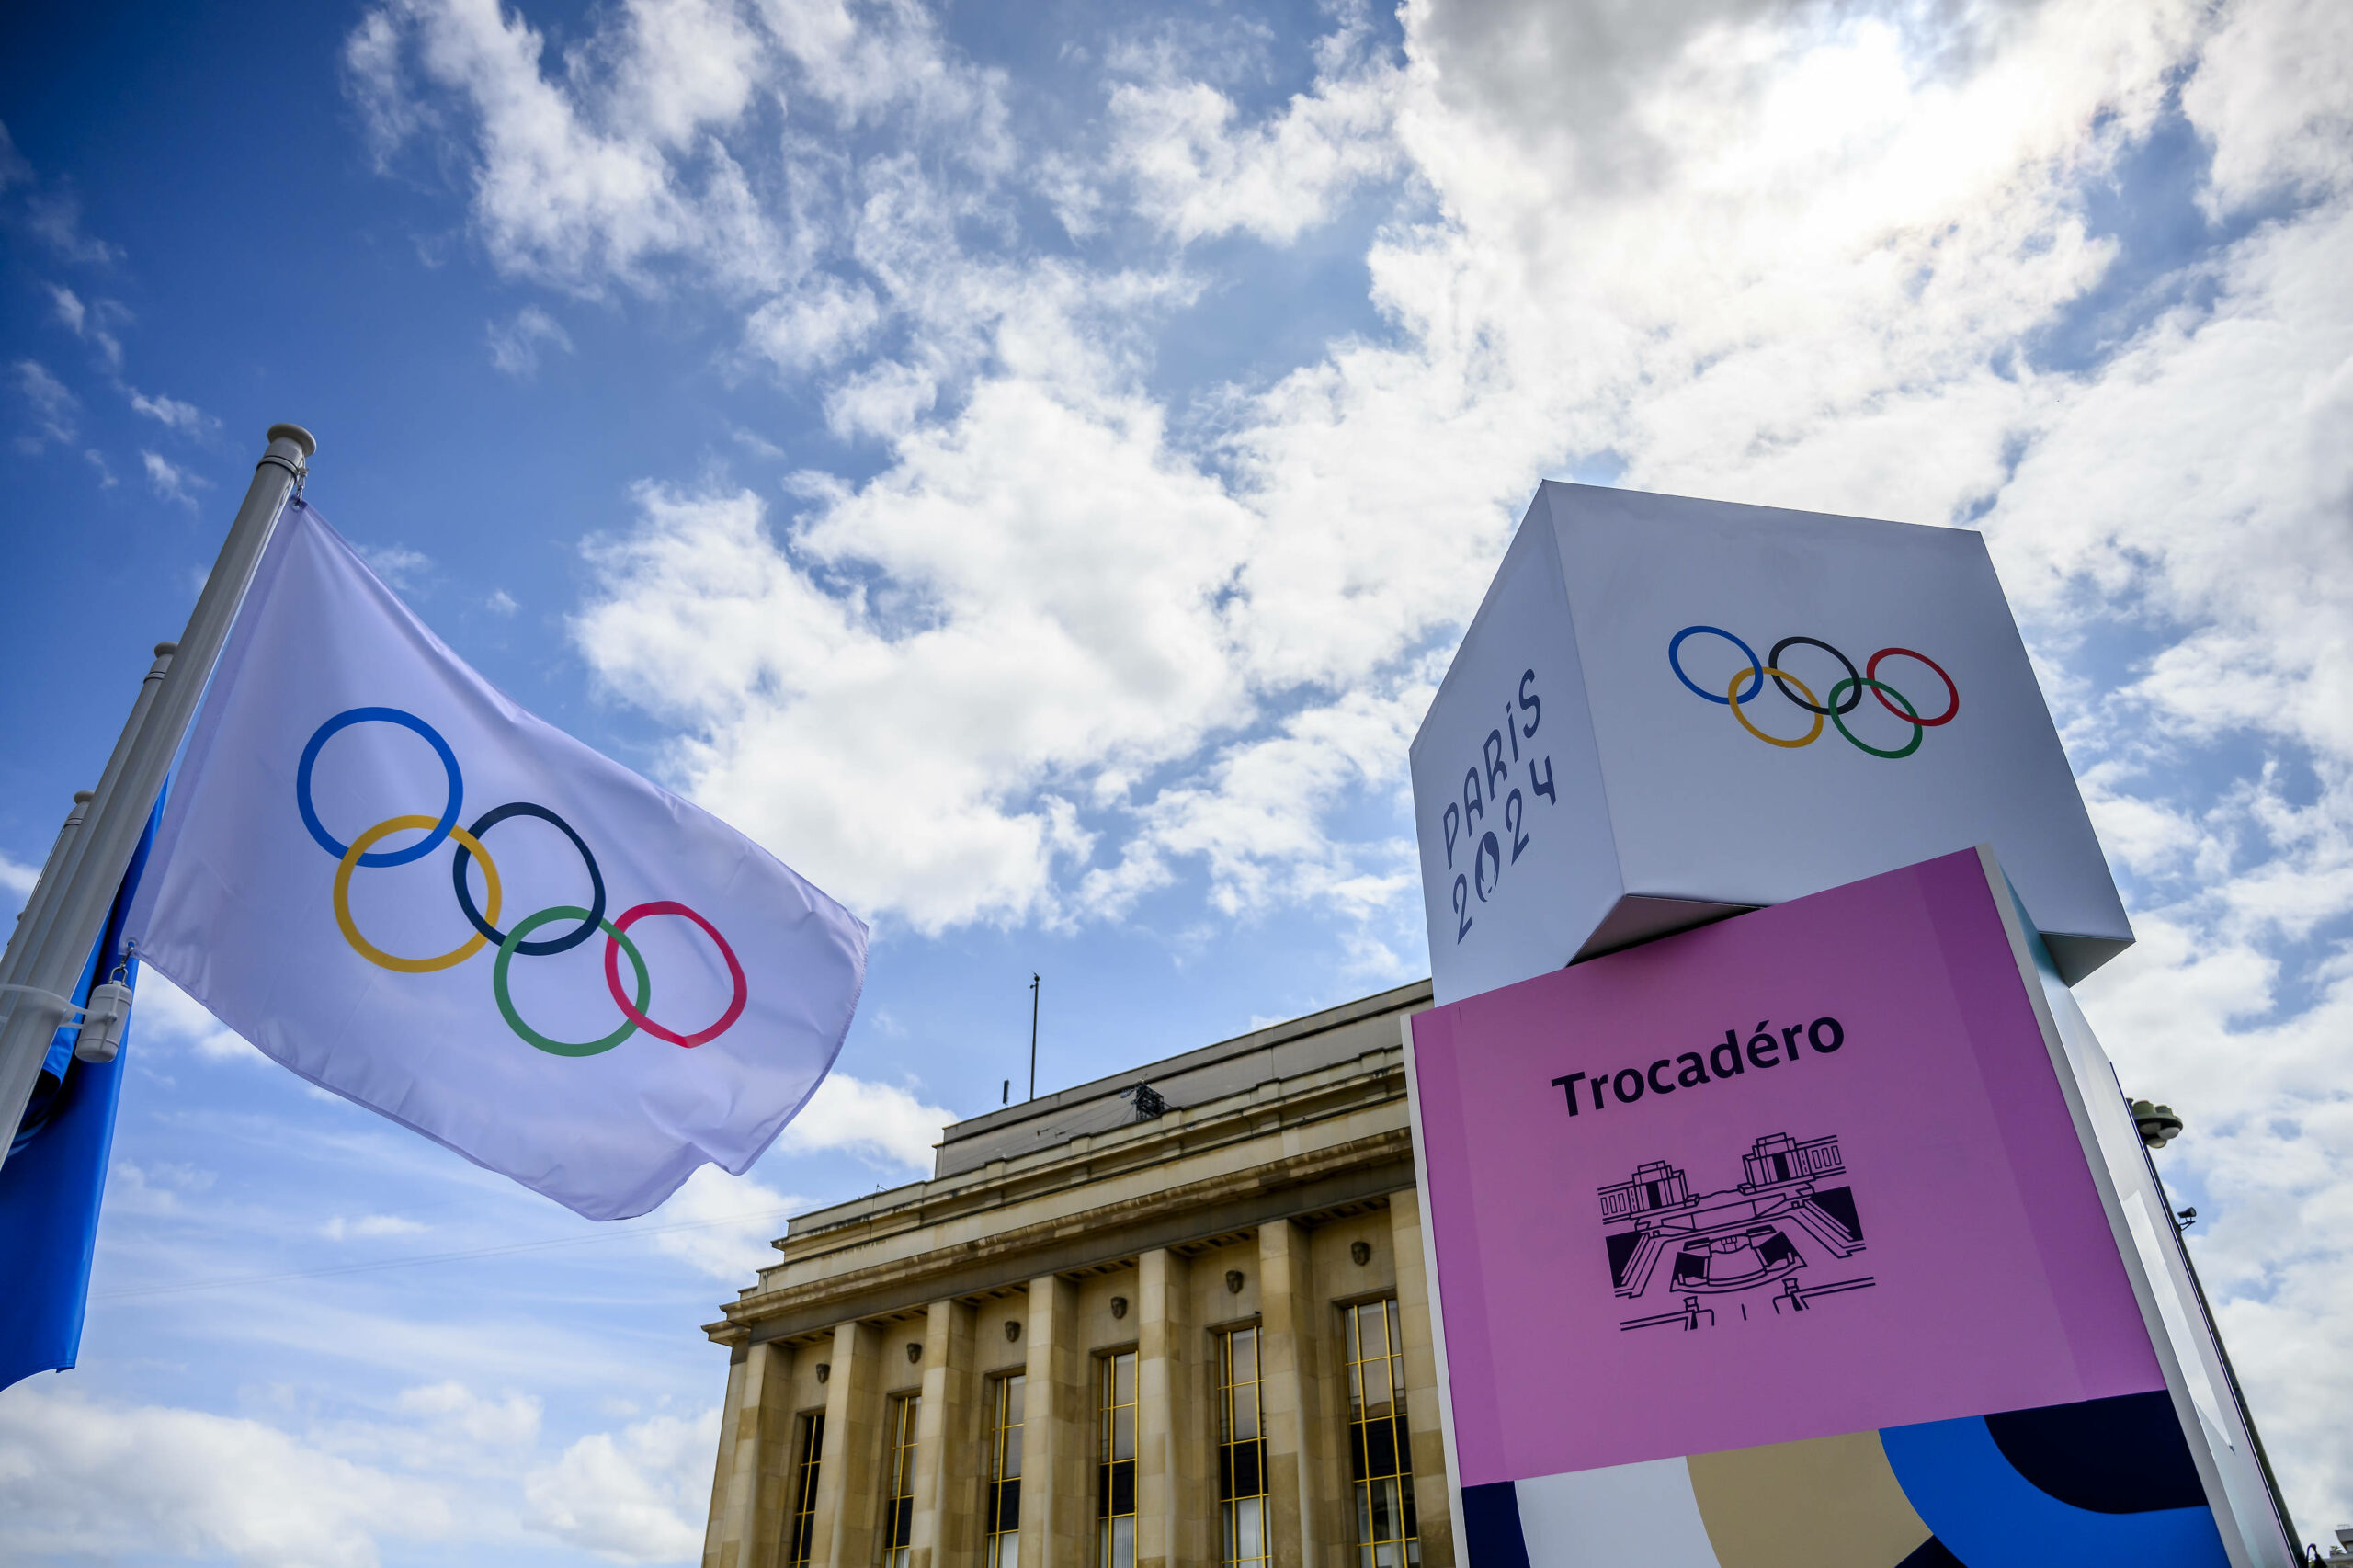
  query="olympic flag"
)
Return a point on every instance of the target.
[{"x": 398, "y": 884}]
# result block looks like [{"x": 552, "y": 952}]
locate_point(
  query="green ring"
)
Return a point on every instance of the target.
[
  {"x": 1918, "y": 729},
  {"x": 523, "y": 929}
]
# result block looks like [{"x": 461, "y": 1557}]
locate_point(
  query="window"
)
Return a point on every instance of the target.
[
  {"x": 898, "y": 1510},
  {"x": 1380, "y": 1454},
  {"x": 1115, "y": 1469},
  {"x": 1241, "y": 1450},
  {"x": 804, "y": 1492},
  {"x": 1005, "y": 1407}
]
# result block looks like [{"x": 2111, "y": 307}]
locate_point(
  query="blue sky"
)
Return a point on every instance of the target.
[{"x": 1028, "y": 467}]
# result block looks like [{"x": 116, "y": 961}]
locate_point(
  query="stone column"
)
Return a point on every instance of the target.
[
  {"x": 1290, "y": 1335},
  {"x": 715, "y": 1552},
  {"x": 946, "y": 1484},
  {"x": 754, "y": 1446},
  {"x": 1432, "y": 1507},
  {"x": 1057, "y": 1457},
  {"x": 1174, "y": 1510},
  {"x": 846, "y": 1507}
]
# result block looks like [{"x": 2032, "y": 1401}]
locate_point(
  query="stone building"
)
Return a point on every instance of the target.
[{"x": 1174, "y": 1316}]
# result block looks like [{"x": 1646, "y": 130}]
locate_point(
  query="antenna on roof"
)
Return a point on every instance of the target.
[{"x": 1033, "y": 1036}]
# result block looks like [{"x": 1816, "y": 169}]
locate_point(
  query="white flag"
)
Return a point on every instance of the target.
[{"x": 391, "y": 879}]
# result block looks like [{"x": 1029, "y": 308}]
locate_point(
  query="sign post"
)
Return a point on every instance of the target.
[
  {"x": 1819, "y": 1235},
  {"x": 1782, "y": 1207}
]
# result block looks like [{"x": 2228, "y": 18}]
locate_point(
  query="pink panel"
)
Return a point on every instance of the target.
[{"x": 1883, "y": 1222}]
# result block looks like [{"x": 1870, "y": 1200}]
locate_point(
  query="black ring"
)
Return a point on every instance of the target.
[
  {"x": 1774, "y": 659},
  {"x": 554, "y": 945}
]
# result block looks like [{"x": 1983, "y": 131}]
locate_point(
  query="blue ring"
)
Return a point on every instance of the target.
[
  {"x": 349, "y": 717},
  {"x": 1755, "y": 667}
]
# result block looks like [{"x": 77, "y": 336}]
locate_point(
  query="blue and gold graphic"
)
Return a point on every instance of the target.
[{"x": 2100, "y": 1481}]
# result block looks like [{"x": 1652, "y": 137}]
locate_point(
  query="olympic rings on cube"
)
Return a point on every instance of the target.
[
  {"x": 1919, "y": 731},
  {"x": 1952, "y": 692},
  {"x": 467, "y": 843},
  {"x": 1842, "y": 699},
  {"x": 1675, "y": 662},
  {"x": 1732, "y": 695}
]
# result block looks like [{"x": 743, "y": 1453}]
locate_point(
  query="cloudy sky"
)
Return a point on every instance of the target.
[{"x": 1027, "y": 465}]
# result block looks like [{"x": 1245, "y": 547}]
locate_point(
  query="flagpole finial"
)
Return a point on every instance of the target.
[{"x": 296, "y": 433}]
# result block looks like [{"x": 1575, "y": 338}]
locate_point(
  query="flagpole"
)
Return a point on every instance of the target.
[{"x": 68, "y": 904}]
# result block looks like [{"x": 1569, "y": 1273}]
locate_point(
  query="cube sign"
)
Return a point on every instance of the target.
[
  {"x": 1668, "y": 710},
  {"x": 1819, "y": 1237}
]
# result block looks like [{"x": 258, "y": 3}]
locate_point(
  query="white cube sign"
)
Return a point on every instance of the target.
[{"x": 1670, "y": 710}]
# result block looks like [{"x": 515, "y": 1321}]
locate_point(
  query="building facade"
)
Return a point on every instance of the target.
[{"x": 1175, "y": 1316}]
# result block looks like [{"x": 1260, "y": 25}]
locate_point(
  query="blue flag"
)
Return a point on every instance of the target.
[{"x": 56, "y": 1174}]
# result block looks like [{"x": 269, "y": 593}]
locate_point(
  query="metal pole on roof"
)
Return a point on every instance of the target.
[
  {"x": 1033, "y": 1036},
  {"x": 69, "y": 905}
]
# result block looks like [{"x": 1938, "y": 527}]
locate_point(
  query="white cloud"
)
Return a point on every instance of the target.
[
  {"x": 824, "y": 320},
  {"x": 13, "y": 170},
  {"x": 501, "y": 602},
  {"x": 511, "y": 1424},
  {"x": 163, "y": 1008},
  {"x": 397, "y": 565},
  {"x": 370, "y": 1225},
  {"x": 71, "y": 312},
  {"x": 17, "y": 879},
  {"x": 1199, "y": 172},
  {"x": 515, "y": 344},
  {"x": 875, "y": 1122},
  {"x": 184, "y": 418},
  {"x": 637, "y": 1496},
  {"x": 172, "y": 482},
  {"x": 54, "y": 405},
  {"x": 721, "y": 1224},
  {"x": 82, "y": 1479}
]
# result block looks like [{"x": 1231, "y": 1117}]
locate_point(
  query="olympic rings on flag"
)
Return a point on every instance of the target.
[
  {"x": 349, "y": 717},
  {"x": 467, "y": 846},
  {"x": 616, "y": 942},
  {"x": 369, "y": 950},
  {"x": 1843, "y": 698},
  {"x": 637, "y": 1015},
  {"x": 592, "y": 918}
]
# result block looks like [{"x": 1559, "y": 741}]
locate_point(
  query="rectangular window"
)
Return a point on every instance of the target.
[
  {"x": 804, "y": 1492},
  {"x": 898, "y": 1506},
  {"x": 1241, "y": 1450},
  {"x": 1004, "y": 1509},
  {"x": 1115, "y": 1468},
  {"x": 1379, "y": 1452}
]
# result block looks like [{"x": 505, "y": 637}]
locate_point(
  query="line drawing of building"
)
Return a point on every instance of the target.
[{"x": 1793, "y": 1208}]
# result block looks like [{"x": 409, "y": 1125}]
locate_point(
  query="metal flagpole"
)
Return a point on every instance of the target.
[
  {"x": 1033, "y": 1036},
  {"x": 85, "y": 868}
]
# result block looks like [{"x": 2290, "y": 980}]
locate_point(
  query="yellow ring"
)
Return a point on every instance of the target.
[
  {"x": 377, "y": 956},
  {"x": 1732, "y": 695}
]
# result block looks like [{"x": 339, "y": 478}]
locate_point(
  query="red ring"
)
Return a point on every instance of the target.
[
  {"x": 628, "y": 1008},
  {"x": 1871, "y": 669}
]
